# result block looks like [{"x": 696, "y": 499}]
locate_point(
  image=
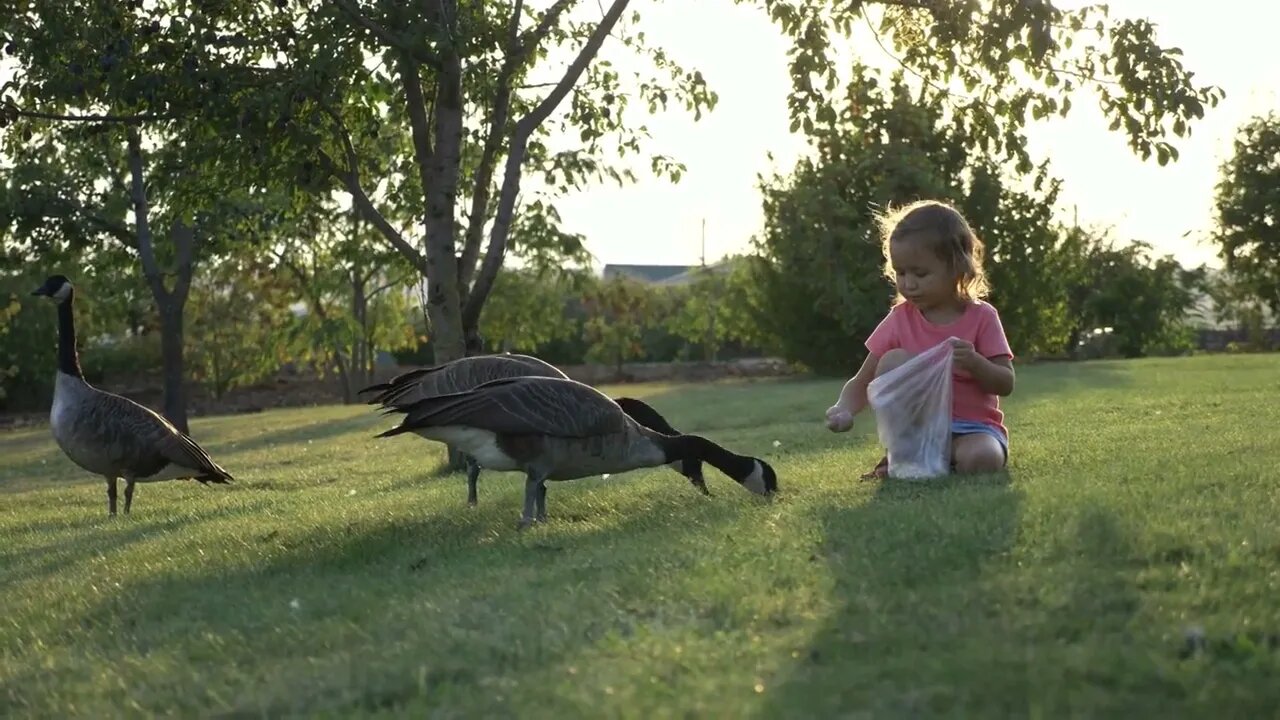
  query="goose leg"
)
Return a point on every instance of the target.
[
  {"x": 473, "y": 474},
  {"x": 542, "y": 502},
  {"x": 532, "y": 489},
  {"x": 128, "y": 494},
  {"x": 701, "y": 484},
  {"x": 111, "y": 496}
]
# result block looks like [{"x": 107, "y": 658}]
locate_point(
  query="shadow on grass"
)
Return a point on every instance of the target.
[
  {"x": 93, "y": 536},
  {"x": 933, "y": 617},
  {"x": 380, "y": 614},
  {"x": 907, "y": 569},
  {"x": 312, "y": 431}
]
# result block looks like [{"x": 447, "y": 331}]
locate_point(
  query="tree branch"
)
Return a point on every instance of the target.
[
  {"x": 534, "y": 36},
  {"x": 117, "y": 230},
  {"x": 146, "y": 250},
  {"x": 90, "y": 117},
  {"x": 516, "y": 53},
  {"x": 385, "y": 287},
  {"x": 351, "y": 181},
  {"x": 378, "y": 31},
  {"x": 875, "y": 35},
  {"x": 418, "y": 120},
  {"x": 496, "y": 252},
  {"x": 543, "y": 110}
]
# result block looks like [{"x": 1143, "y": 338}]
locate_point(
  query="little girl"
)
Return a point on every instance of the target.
[{"x": 935, "y": 260}]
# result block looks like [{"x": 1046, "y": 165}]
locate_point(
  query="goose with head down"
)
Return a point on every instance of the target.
[
  {"x": 561, "y": 429},
  {"x": 458, "y": 375},
  {"x": 469, "y": 372},
  {"x": 110, "y": 435}
]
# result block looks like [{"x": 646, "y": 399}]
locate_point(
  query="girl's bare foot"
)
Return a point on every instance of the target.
[{"x": 880, "y": 472}]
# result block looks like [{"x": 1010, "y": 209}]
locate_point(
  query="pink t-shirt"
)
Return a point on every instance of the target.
[{"x": 904, "y": 327}]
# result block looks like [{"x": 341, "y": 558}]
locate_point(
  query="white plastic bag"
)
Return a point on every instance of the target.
[{"x": 912, "y": 404}]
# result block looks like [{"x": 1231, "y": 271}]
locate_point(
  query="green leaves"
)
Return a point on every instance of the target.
[
  {"x": 819, "y": 265},
  {"x": 526, "y": 309},
  {"x": 1010, "y": 57},
  {"x": 1247, "y": 209},
  {"x": 619, "y": 310}
]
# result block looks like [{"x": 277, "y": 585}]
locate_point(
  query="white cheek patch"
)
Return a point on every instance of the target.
[
  {"x": 755, "y": 481},
  {"x": 63, "y": 292}
]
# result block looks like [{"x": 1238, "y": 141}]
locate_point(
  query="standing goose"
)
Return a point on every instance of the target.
[
  {"x": 561, "y": 429},
  {"x": 452, "y": 377},
  {"x": 110, "y": 435}
]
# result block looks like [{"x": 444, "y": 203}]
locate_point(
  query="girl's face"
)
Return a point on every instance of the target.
[{"x": 924, "y": 279}]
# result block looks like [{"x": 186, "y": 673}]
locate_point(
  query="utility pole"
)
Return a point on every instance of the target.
[
  {"x": 704, "y": 242},
  {"x": 711, "y": 301}
]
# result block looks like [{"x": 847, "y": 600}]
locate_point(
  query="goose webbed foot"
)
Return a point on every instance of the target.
[
  {"x": 473, "y": 474},
  {"x": 698, "y": 482}
]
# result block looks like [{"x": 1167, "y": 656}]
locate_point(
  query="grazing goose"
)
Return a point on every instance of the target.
[
  {"x": 457, "y": 376},
  {"x": 110, "y": 435},
  {"x": 463, "y": 374},
  {"x": 466, "y": 373},
  {"x": 561, "y": 429},
  {"x": 644, "y": 414}
]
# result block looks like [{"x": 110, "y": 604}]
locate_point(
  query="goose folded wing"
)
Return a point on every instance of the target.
[
  {"x": 144, "y": 432},
  {"x": 524, "y": 406}
]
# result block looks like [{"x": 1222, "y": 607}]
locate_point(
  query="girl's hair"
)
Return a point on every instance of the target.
[{"x": 944, "y": 232}]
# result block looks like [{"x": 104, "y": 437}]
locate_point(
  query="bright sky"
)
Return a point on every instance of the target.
[{"x": 655, "y": 222}]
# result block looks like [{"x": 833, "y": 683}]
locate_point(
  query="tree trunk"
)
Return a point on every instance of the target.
[
  {"x": 175, "y": 394},
  {"x": 362, "y": 350},
  {"x": 170, "y": 303},
  {"x": 438, "y": 169},
  {"x": 344, "y": 377}
]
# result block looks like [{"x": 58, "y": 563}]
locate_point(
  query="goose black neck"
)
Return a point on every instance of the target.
[
  {"x": 68, "y": 360},
  {"x": 696, "y": 447}
]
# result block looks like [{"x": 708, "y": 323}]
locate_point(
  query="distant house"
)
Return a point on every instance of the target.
[
  {"x": 691, "y": 274},
  {"x": 664, "y": 274},
  {"x": 645, "y": 273}
]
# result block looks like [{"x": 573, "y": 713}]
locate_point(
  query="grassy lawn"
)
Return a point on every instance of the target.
[{"x": 343, "y": 576}]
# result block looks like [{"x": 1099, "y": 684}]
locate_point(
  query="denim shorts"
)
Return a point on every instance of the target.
[{"x": 968, "y": 427}]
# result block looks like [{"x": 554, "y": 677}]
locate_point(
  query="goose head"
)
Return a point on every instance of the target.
[
  {"x": 762, "y": 480},
  {"x": 56, "y": 288}
]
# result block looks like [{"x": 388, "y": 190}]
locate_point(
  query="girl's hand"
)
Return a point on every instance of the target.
[
  {"x": 964, "y": 355},
  {"x": 839, "y": 419}
]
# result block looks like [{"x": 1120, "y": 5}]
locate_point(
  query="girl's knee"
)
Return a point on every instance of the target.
[
  {"x": 892, "y": 360},
  {"x": 978, "y": 454}
]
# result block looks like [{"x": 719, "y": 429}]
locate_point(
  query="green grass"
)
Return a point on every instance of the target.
[{"x": 344, "y": 576}]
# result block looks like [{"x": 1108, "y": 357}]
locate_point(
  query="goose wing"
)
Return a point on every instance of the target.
[
  {"x": 141, "y": 438},
  {"x": 521, "y": 406},
  {"x": 458, "y": 376}
]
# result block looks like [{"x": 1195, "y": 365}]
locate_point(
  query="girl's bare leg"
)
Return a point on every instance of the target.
[{"x": 976, "y": 453}]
